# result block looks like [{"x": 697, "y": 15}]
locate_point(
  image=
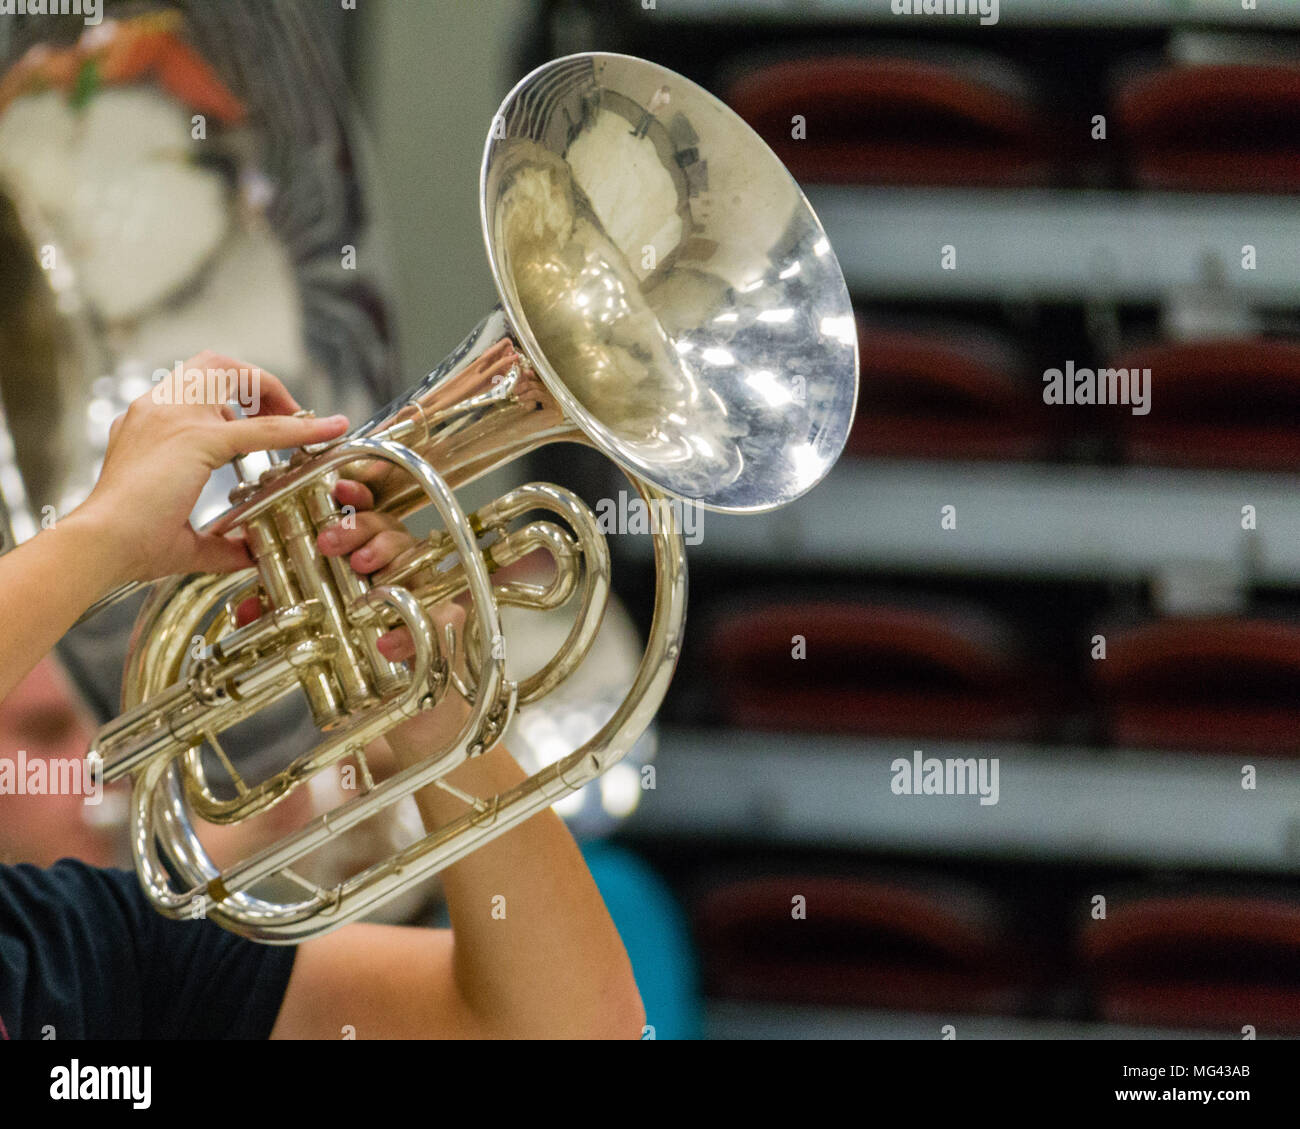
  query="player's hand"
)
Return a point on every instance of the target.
[
  {"x": 370, "y": 541},
  {"x": 160, "y": 456}
]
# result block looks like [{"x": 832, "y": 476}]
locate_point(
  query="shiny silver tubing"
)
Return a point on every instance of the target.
[
  {"x": 147, "y": 729},
  {"x": 590, "y": 544},
  {"x": 221, "y": 895},
  {"x": 371, "y": 888},
  {"x": 340, "y": 742},
  {"x": 163, "y": 813}
]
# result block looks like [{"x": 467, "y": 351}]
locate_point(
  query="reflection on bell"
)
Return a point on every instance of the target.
[{"x": 641, "y": 254}]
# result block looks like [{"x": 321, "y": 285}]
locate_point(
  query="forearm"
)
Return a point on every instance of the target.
[
  {"x": 45, "y": 585},
  {"x": 535, "y": 952},
  {"x": 135, "y": 524}
]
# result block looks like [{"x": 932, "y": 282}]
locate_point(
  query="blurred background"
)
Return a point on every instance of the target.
[{"x": 1111, "y": 607}]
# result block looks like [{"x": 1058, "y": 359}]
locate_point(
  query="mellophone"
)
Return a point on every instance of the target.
[{"x": 669, "y": 298}]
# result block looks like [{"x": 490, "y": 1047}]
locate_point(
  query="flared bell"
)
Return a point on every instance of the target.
[{"x": 669, "y": 281}]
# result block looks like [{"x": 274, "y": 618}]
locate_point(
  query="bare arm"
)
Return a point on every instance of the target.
[
  {"x": 45, "y": 584},
  {"x": 532, "y": 952},
  {"x": 135, "y": 525},
  {"x": 551, "y": 965}
]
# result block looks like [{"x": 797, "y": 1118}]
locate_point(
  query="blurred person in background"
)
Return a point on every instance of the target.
[
  {"x": 83, "y": 952},
  {"x": 43, "y": 719}
]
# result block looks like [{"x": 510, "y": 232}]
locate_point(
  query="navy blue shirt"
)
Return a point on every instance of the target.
[{"x": 84, "y": 953}]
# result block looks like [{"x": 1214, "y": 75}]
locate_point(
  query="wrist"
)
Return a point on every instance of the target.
[
  {"x": 94, "y": 536},
  {"x": 428, "y": 734}
]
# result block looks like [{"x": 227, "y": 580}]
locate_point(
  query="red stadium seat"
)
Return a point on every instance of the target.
[
  {"x": 874, "y": 668},
  {"x": 1214, "y": 684},
  {"x": 1231, "y": 403},
  {"x": 1204, "y": 960},
  {"x": 945, "y": 394},
  {"x": 863, "y": 943},
  {"x": 895, "y": 120},
  {"x": 1230, "y": 128}
]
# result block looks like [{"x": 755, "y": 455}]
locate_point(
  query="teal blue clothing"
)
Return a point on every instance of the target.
[{"x": 658, "y": 940}]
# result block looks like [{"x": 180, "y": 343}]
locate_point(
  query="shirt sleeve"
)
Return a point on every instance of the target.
[{"x": 82, "y": 952}]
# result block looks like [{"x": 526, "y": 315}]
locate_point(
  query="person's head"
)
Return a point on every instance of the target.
[{"x": 51, "y": 807}]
